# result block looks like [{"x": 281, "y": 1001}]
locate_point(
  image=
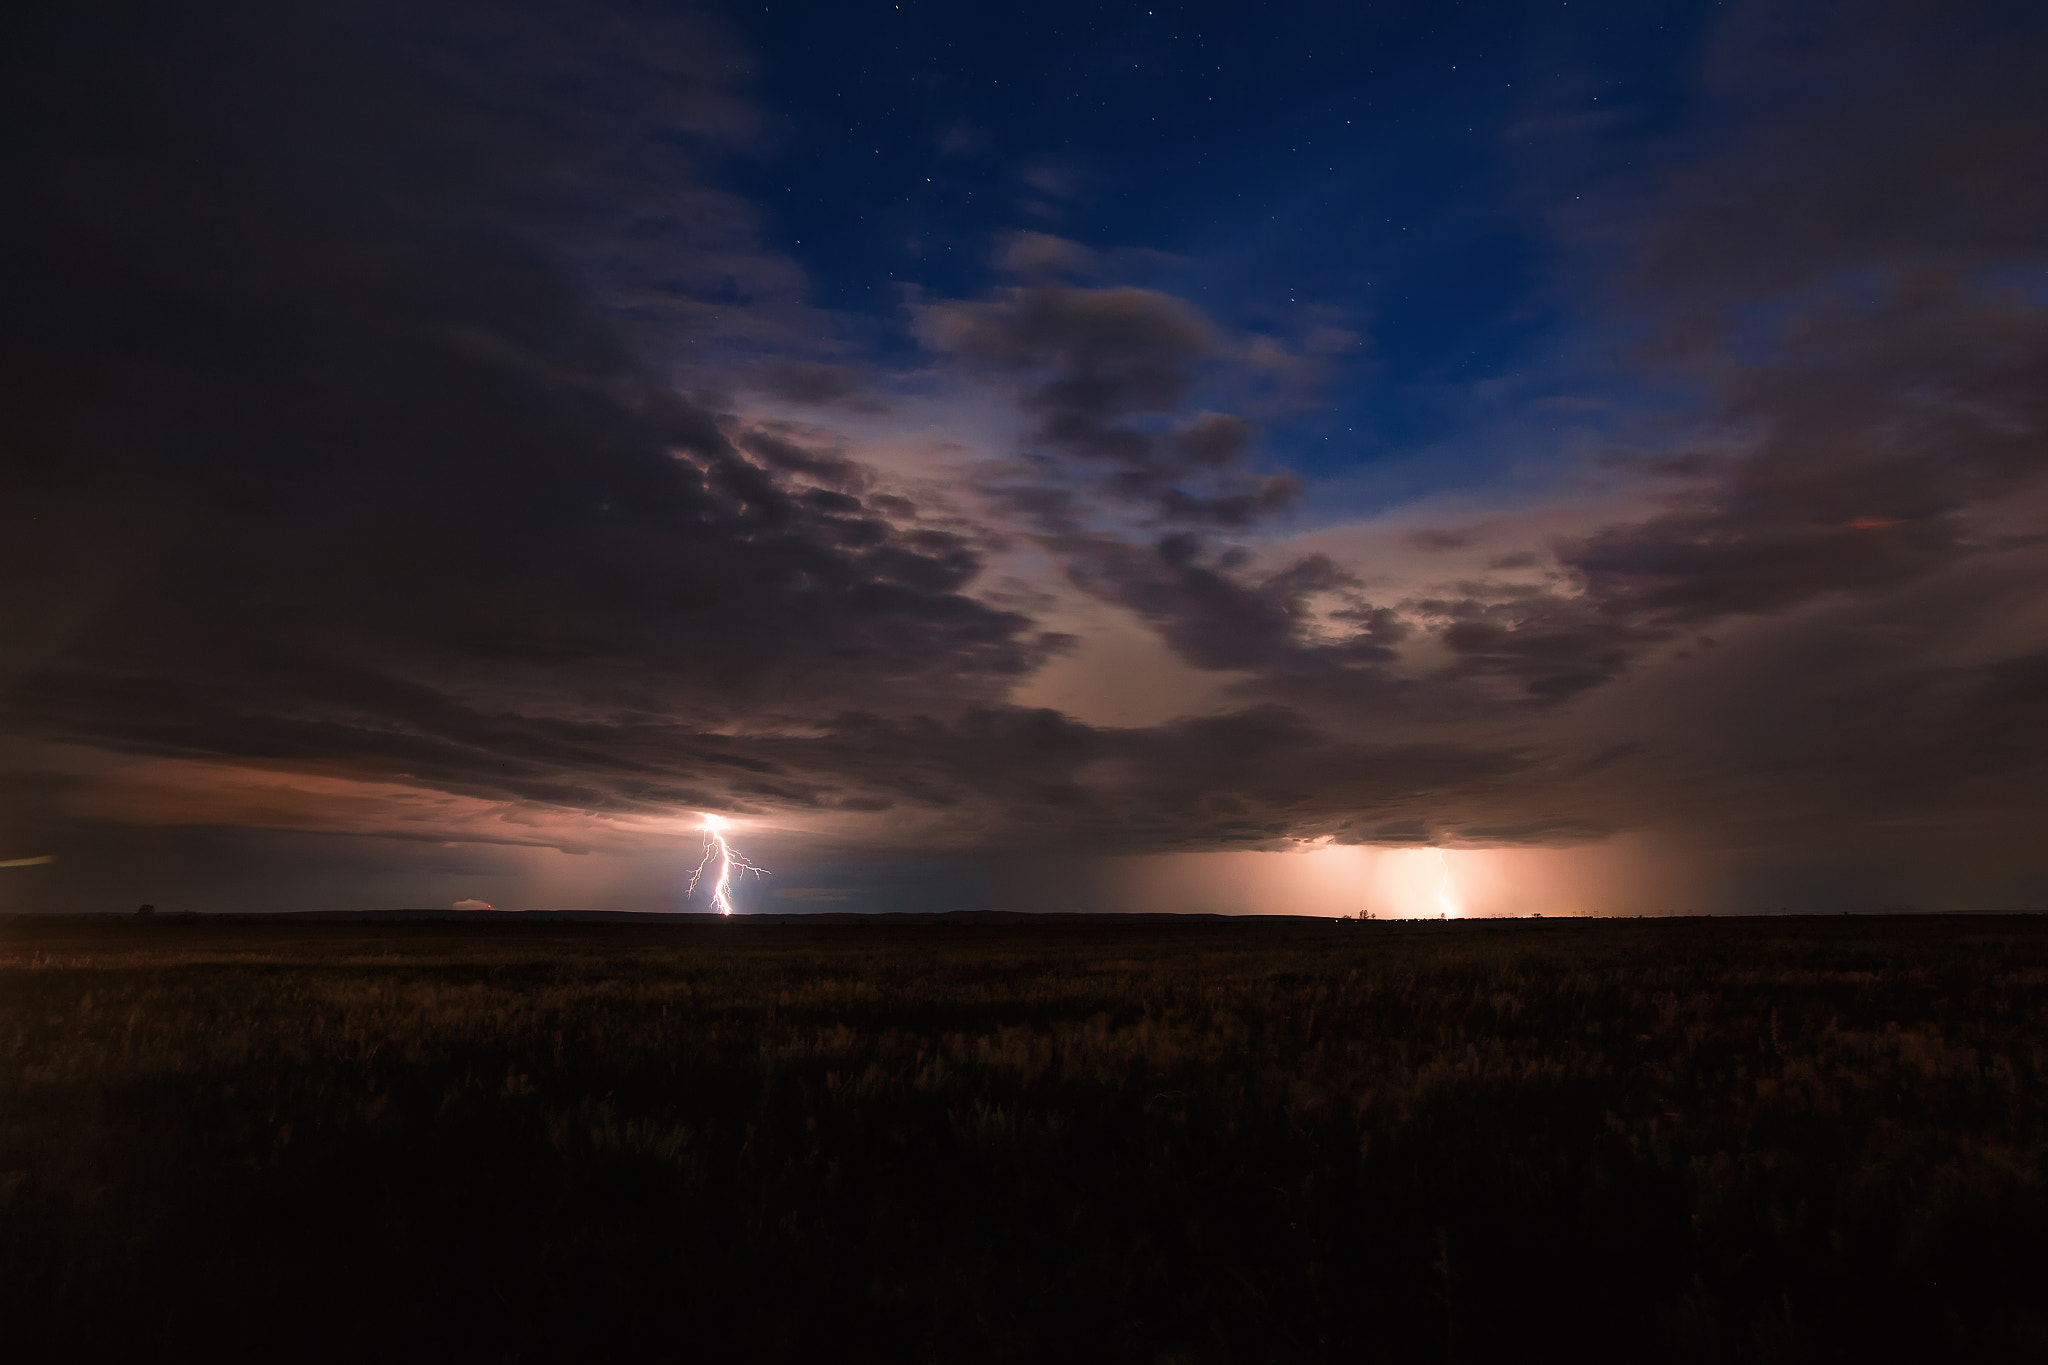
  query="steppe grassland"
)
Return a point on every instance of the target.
[{"x": 1288, "y": 1140}]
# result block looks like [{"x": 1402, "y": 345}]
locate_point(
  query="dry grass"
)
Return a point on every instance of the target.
[{"x": 1711, "y": 1140}]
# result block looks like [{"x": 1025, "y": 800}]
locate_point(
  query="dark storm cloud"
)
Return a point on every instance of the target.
[
  {"x": 1015, "y": 778},
  {"x": 816, "y": 385},
  {"x": 1109, "y": 374},
  {"x": 359, "y": 460},
  {"x": 1548, "y": 646},
  {"x": 1857, "y": 727},
  {"x": 370, "y": 463},
  {"x": 1217, "y": 617},
  {"x": 1854, "y": 280},
  {"x": 1860, "y": 135},
  {"x": 1869, "y": 244},
  {"x": 1127, "y": 475},
  {"x": 1856, "y": 275}
]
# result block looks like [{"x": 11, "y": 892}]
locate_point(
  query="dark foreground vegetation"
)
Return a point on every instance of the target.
[{"x": 1262, "y": 1141}]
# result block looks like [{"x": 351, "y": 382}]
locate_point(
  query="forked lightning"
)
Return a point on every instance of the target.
[{"x": 717, "y": 852}]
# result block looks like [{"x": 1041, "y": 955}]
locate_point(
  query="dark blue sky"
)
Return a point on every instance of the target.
[{"x": 1408, "y": 172}]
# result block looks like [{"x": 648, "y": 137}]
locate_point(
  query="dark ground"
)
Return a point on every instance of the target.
[{"x": 1245, "y": 1141}]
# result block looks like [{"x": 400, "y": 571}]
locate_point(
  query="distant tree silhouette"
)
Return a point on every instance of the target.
[{"x": 146, "y": 912}]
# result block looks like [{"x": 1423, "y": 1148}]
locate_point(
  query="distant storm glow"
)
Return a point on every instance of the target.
[
  {"x": 722, "y": 863},
  {"x": 1446, "y": 900}
]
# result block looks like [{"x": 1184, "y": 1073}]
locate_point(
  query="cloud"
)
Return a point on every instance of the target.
[
  {"x": 1040, "y": 254},
  {"x": 1859, "y": 136},
  {"x": 1218, "y": 619},
  {"x": 378, "y": 471},
  {"x": 374, "y": 470},
  {"x": 1841, "y": 278},
  {"x": 1879, "y": 451},
  {"x": 1108, "y": 378},
  {"x": 814, "y": 384},
  {"x": 1052, "y": 187}
]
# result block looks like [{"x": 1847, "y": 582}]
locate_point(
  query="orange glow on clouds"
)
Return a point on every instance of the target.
[{"x": 172, "y": 791}]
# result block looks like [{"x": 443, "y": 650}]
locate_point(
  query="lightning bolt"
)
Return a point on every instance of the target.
[
  {"x": 1445, "y": 901},
  {"x": 719, "y": 855}
]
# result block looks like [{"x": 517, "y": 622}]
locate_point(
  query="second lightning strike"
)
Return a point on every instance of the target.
[{"x": 719, "y": 854}]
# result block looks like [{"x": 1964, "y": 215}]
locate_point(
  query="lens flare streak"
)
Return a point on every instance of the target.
[{"x": 721, "y": 861}]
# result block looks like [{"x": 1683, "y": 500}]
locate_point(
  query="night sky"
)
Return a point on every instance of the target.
[{"x": 1552, "y": 457}]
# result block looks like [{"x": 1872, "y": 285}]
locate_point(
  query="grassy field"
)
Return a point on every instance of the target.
[{"x": 1254, "y": 1141}]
